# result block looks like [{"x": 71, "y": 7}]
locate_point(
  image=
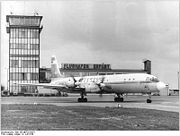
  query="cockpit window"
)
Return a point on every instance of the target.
[{"x": 154, "y": 79}]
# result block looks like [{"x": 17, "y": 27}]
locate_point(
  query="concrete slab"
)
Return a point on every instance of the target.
[{"x": 166, "y": 103}]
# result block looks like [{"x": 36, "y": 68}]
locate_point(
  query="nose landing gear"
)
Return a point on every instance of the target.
[
  {"x": 82, "y": 99},
  {"x": 149, "y": 100}
]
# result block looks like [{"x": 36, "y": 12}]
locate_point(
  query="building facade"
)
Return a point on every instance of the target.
[
  {"x": 89, "y": 70},
  {"x": 24, "y": 51}
]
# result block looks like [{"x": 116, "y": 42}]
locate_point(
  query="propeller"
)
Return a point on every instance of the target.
[
  {"x": 76, "y": 82},
  {"x": 101, "y": 85}
]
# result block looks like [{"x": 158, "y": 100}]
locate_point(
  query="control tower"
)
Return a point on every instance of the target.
[
  {"x": 147, "y": 66},
  {"x": 24, "y": 51}
]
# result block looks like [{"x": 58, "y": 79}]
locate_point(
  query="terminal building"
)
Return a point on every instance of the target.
[
  {"x": 90, "y": 70},
  {"x": 24, "y": 51}
]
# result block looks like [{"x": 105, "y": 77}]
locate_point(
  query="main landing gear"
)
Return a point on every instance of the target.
[
  {"x": 149, "y": 99},
  {"x": 82, "y": 99},
  {"x": 119, "y": 98}
]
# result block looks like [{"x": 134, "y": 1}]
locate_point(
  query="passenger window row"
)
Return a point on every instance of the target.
[{"x": 132, "y": 79}]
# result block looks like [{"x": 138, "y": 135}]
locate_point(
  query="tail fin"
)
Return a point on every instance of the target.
[{"x": 55, "y": 73}]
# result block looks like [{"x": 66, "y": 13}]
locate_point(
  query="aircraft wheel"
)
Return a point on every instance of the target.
[
  {"x": 82, "y": 100},
  {"x": 121, "y": 99},
  {"x": 85, "y": 99},
  {"x": 79, "y": 100},
  {"x": 148, "y": 100},
  {"x": 115, "y": 99}
]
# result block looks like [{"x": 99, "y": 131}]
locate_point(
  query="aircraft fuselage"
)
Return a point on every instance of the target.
[{"x": 121, "y": 83}]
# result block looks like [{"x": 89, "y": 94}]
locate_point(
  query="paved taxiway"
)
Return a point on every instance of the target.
[{"x": 166, "y": 103}]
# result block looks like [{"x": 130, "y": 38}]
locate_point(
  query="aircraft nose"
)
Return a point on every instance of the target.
[{"x": 161, "y": 86}]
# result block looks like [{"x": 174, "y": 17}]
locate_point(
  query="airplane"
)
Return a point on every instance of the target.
[{"x": 118, "y": 84}]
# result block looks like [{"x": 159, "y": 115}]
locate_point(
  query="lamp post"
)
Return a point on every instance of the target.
[
  {"x": 7, "y": 70},
  {"x": 7, "y": 78},
  {"x": 178, "y": 82}
]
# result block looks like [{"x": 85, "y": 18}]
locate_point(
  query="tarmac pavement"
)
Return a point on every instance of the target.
[{"x": 166, "y": 103}]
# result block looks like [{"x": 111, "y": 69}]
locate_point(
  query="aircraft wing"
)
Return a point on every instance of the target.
[{"x": 46, "y": 85}]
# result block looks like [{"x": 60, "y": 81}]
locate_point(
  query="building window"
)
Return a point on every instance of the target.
[
  {"x": 36, "y": 64},
  {"x": 23, "y": 76},
  {"x": 18, "y": 76},
  {"x": 30, "y": 64},
  {"x": 16, "y": 33},
  {"x": 18, "y": 46},
  {"x": 34, "y": 46},
  {"x": 102, "y": 73},
  {"x": 23, "y": 33},
  {"x": 14, "y": 63},
  {"x": 34, "y": 34},
  {"x": 23, "y": 46},
  {"x": 14, "y": 76},
  {"x": 19, "y": 33},
  {"x": 13, "y": 45},
  {"x": 24, "y": 64},
  {"x": 12, "y": 34},
  {"x": 24, "y": 89},
  {"x": 34, "y": 76}
]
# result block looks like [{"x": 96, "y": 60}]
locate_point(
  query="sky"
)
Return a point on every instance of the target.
[{"x": 119, "y": 32}]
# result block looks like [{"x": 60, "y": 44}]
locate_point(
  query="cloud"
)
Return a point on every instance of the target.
[{"x": 125, "y": 27}]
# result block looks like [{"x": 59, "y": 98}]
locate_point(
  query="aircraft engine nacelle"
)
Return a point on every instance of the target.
[
  {"x": 70, "y": 82},
  {"x": 92, "y": 88}
]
